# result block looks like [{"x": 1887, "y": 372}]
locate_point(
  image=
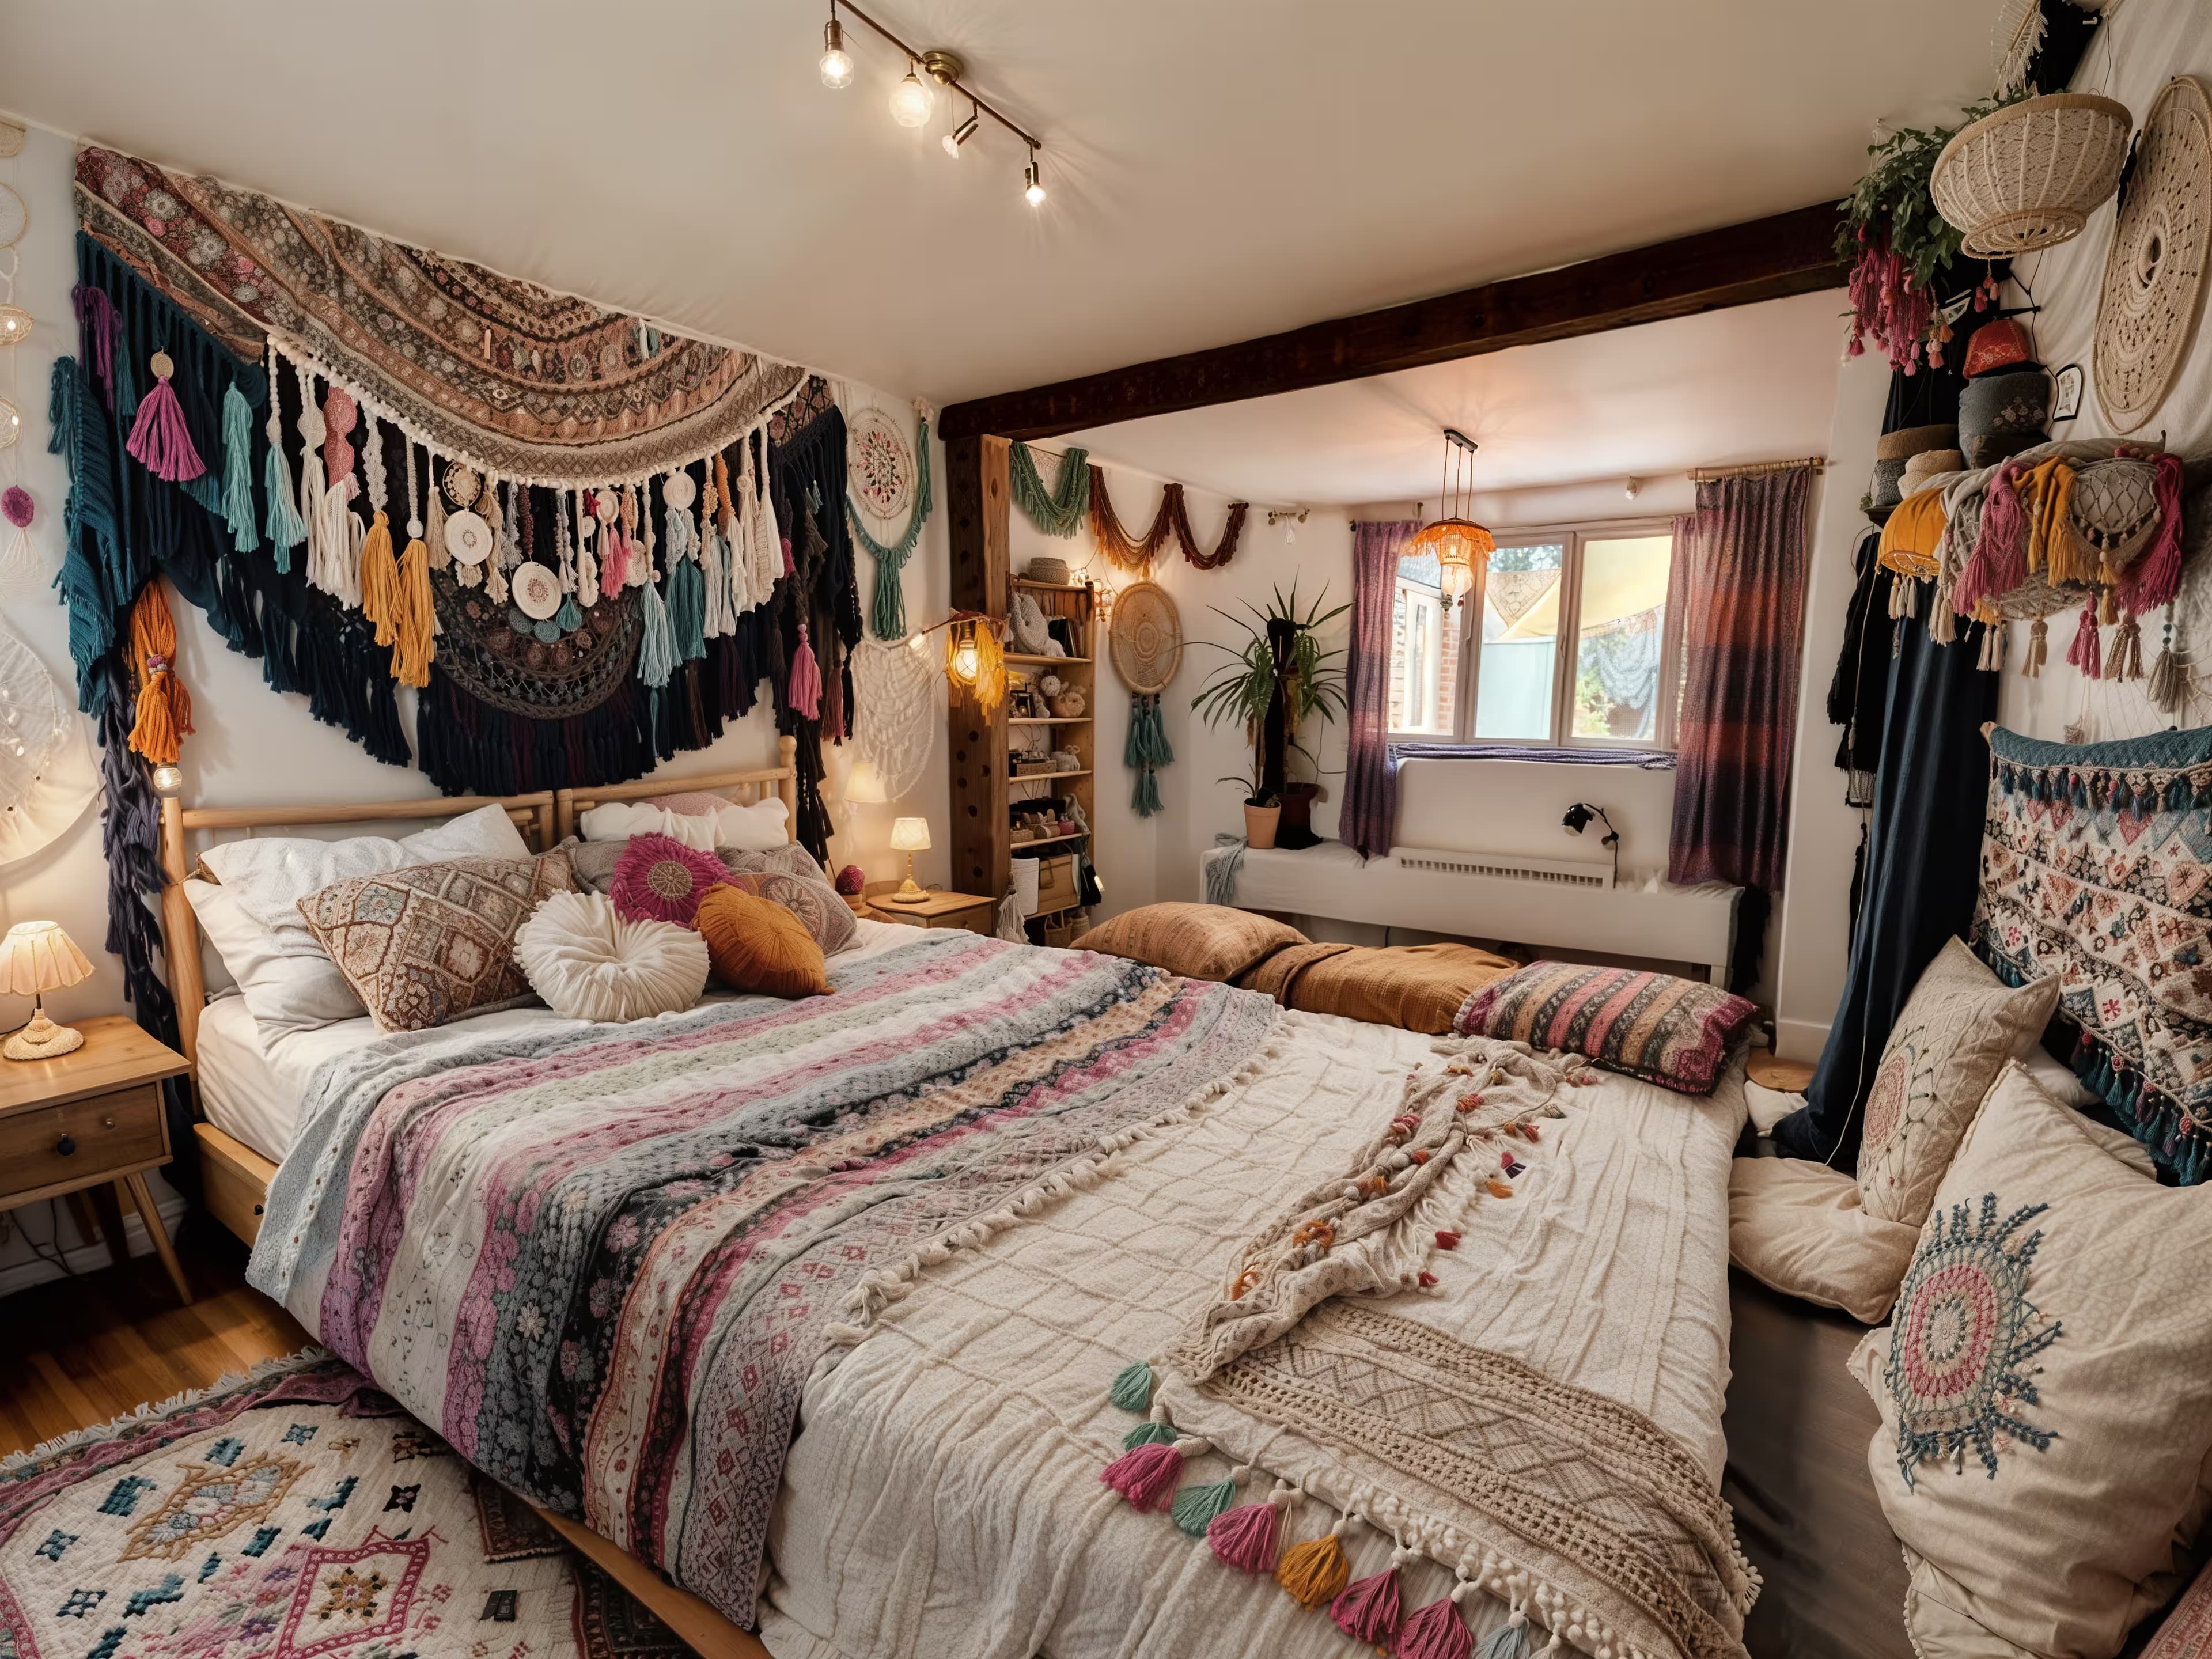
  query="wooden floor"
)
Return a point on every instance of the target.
[{"x": 80, "y": 1350}]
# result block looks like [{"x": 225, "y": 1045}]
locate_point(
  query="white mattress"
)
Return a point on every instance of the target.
[{"x": 251, "y": 1089}]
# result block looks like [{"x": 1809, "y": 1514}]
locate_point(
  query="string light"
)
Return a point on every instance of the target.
[{"x": 837, "y": 63}]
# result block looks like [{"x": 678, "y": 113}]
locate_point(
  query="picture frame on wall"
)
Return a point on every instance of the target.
[{"x": 2066, "y": 392}]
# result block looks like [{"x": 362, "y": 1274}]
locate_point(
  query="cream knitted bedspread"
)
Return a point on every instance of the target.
[{"x": 944, "y": 1499}]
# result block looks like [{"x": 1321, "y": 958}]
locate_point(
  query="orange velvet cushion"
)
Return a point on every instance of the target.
[{"x": 755, "y": 944}]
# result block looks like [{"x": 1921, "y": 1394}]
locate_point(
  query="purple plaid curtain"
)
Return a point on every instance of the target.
[
  {"x": 1740, "y": 561},
  {"x": 1371, "y": 782}
]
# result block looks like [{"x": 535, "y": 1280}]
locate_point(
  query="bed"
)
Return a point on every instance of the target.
[{"x": 850, "y": 1383}]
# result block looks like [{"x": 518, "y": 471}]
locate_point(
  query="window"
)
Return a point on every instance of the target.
[{"x": 1603, "y": 589}]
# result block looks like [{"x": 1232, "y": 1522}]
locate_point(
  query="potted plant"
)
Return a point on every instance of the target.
[{"x": 1276, "y": 680}]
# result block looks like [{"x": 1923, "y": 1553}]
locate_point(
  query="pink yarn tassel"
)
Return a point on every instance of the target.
[
  {"x": 2087, "y": 651},
  {"x": 2156, "y": 577},
  {"x": 1999, "y": 562},
  {"x": 158, "y": 437},
  {"x": 805, "y": 691},
  {"x": 1147, "y": 1476},
  {"x": 1368, "y": 1610},
  {"x": 1438, "y": 1631},
  {"x": 1246, "y": 1536},
  {"x": 613, "y": 568}
]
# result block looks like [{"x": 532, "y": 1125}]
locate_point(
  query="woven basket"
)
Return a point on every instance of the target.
[
  {"x": 2029, "y": 175},
  {"x": 1045, "y": 568},
  {"x": 1147, "y": 638}
]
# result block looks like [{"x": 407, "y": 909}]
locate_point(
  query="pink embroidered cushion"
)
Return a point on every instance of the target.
[
  {"x": 1674, "y": 1032},
  {"x": 660, "y": 879}
]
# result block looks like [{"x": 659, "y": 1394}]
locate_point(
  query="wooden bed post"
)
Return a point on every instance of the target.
[
  {"x": 180, "y": 933},
  {"x": 787, "y": 786}
]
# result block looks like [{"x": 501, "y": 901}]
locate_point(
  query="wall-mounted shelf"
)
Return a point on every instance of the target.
[
  {"x": 1048, "y": 777},
  {"x": 1048, "y": 720},
  {"x": 1047, "y": 840},
  {"x": 1025, "y": 658}
]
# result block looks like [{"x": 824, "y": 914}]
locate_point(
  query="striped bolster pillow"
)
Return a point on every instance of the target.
[{"x": 1674, "y": 1032}]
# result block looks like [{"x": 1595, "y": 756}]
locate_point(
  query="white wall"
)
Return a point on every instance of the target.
[{"x": 255, "y": 747}]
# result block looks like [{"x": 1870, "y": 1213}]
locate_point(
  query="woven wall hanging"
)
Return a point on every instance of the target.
[
  {"x": 1146, "y": 644},
  {"x": 2154, "y": 291}
]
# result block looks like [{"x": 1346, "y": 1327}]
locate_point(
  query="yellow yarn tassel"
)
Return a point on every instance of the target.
[
  {"x": 379, "y": 580},
  {"x": 413, "y": 644},
  {"x": 165, "y": 708},
  {"x": 2052, "y": 546},
  {"x": 1313, "y": 1572}
]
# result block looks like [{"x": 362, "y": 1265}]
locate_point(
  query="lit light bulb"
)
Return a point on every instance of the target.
[
  {"x": 959, "y": 135},
  {"x": 911, "y": 101},
  {"x": 963, "y": 663},
  {"x": 836, "y": 65},
  {"x": 167, "y": 780},
  {"x": 1457, "y": 578},
  {"x": 1032, "y": 186}
]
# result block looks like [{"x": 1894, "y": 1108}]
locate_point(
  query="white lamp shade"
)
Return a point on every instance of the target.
[
  {"x": 37, "y": 956},
  {"x": 910, "y": 835},
  {"x": 864, "y": 785}
]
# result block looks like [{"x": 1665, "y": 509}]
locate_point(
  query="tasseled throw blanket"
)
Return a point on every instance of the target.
[{"x": 1590, "y": 1521}]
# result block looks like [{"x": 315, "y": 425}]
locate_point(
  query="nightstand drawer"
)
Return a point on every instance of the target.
[{"x": 56, "y": 1145}]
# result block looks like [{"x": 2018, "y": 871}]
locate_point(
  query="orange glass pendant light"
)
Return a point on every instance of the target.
[{"x": 1459, "y": 543}]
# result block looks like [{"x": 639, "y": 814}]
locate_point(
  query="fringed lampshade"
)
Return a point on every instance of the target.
[
  {"x": 1459, "y": 543},
  {"x": 36, "y": 957},
  {"x": 975, "y": 659}
]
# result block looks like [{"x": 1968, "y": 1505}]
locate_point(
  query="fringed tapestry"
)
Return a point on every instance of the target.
[
  {"x": 583, "y": 542},
  {"x": 2097, "y": 866}
]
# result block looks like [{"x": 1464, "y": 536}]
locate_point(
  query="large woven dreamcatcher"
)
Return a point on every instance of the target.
[
  {"x": 894, "y": 687},
  {"x": 47, "y": 773},
  {"x": 878, "y": 464},
  {"x": 2155, "y": 275},
  {"x": 1147, "y": 649}
]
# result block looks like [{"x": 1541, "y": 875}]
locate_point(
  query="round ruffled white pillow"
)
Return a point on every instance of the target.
[{"x": 590, "y": 963}]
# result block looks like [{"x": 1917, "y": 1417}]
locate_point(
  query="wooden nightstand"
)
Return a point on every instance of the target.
[
  {"x": 977, "y": 915},
  {"x": 89, "y": 1118}
]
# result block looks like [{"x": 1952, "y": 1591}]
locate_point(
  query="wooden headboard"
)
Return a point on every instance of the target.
[{"x": 748, "y": 787}]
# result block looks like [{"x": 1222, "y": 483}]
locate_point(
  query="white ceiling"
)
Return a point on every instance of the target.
[
  {"x": 1752, "y": 383},
  {"x": 1218, "y": 168}
]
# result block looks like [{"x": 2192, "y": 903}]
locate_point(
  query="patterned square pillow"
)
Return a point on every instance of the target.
[
  {"x": 828, "y": 918},
  {"x": 2046, "y": 1387},
  {"x": 1956, "y": 1031},
  {"x": 427, "y": 945},
  {"x": 1674, "y": 1032}
]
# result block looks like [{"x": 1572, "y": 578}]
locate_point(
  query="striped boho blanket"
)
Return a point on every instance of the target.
[{"x": 606, "y": 1260}]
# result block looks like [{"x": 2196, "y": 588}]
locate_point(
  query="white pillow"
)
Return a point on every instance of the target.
[
  {"x": 588, "y": 963},
  {"x": 2055, "y": 1077},
  {"x": 760, "y": 828},
  {"x": 283, "y": 991}
]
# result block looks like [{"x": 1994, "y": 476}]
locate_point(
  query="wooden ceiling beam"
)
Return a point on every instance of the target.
[{"x": 1767, "y": 258}]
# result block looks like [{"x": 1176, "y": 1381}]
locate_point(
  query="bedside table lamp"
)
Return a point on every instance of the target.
[
  {"x": 909, "y": 836},
  {"x": 36, "y": 957}
]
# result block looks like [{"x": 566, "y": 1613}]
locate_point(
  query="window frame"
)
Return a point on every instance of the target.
[{"x": 1572, "y": 538}]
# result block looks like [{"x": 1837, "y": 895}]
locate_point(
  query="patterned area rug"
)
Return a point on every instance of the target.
[{"x": 297, "y": 1513}]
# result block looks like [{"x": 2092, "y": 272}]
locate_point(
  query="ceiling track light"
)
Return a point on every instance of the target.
[{"x": 913, "y": 99}]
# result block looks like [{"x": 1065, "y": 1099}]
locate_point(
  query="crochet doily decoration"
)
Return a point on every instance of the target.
[
  {"x": 878, "y": 464},
  {"x": 536, "y": 590},
  {"x": 47, "y": 773},
  {"x": 2155, "y": 275}
]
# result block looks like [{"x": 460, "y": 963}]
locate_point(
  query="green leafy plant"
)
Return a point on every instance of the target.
[{"x": 1242, "y": 690}]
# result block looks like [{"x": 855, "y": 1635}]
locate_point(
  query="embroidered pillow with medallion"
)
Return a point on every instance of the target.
[
  {"x": 2046, "y": 1389},
  {"x": 425, "y": 945}
]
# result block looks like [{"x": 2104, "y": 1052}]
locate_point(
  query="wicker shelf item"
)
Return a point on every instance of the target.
[{"x": 2029, "y": 175}]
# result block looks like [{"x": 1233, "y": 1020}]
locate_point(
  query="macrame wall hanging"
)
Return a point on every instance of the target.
[
  {"x": 895, "y": 724},
  {"x": 888, "y": 479},
  {"x": 1146, "y": 643},
  {"x": 1173, "y": 519},
  {"x": 584, "y": 542},
  {"x": 1061, "y": 512},
  {"x": 2154, "y": 287}
]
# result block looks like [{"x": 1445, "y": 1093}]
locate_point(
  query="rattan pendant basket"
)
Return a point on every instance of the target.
[{"x": 2029, "y": 175}]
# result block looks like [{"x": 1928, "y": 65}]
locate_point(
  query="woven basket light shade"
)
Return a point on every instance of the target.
[
  {"x": 1147, "y": 640},
  {"x": 2029, "y": 175}
]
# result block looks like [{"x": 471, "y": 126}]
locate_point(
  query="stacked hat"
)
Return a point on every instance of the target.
[
  {"x": 1894, "y": 449},
  {"x": 2006, "y": 405},
  {"x": 1928, "y": 464}
]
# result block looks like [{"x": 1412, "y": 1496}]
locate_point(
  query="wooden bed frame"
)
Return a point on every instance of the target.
[{"x": 236, "y": 1178}]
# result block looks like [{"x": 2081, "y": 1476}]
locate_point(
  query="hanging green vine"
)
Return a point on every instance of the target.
[
  {"x": 888, "y": 617},
  {"x": 1063, "y": 511}
]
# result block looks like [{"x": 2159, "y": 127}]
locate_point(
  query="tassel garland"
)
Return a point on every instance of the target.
[
  {"x": 1991, "y": 661},
  {"x": 1511, "y": 1639},
  {"x": 1245, "y": 1537},
  {"x": 1196, "y": 1507},
  {"x": 687, "y": 610},
  {"x": 2169, "y": 676},
  {"x": 2087, "y": 653},
  {"x": 656, "y": 645},
  {"x": 380, "y": 580},
  {"x": 165, "y": 708},
  {"x": 1437, "y": 1631},
  {"x": 1147, "y": 1476},
  {"x": 1371, "y": 1610},
  {"x": 286, "y": 528},
  {"x": 1146, "y": 751},
  {"x": 238, "y": 471},
  {"x": 1316, "y": 1572},
  {"x": 2038, "y": 649},
  {"x": 158, "y": 437}
]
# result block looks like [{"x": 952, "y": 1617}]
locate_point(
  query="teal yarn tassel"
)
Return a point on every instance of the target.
[
  {"x": 238, "y": 469},
  {"x": 887, "y": 619},
  {"x": 287, "y": 529},
  {"x": 656, "y": 645},
  {"x": 1509, "y": 1641},
  {"x": 1063, "y": 511},
  {"x": 1133, "y": 1388},
  {"x": 1146, "y": 750},
  {"x": 569, "y": 618},
  {"x": 687, "y": 610},
  {"x": 1195, "y": 1507},
  {"x": 1149, "y": 1432}
]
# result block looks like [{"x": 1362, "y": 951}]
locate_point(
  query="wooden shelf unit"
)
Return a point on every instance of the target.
[{"x": 983, "y": 780}]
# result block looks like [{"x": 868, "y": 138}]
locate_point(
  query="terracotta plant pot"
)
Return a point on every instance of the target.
[{"x": 1260, "y": 825}]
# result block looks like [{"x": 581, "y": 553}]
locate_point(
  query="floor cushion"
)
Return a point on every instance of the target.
[
  {"x": 1416, "y": 987},
  {"x": 2045, "y": 1383},
  {"x": 589, "y": 962},
  {"x": 1674, "y": 1032},
  {"x": 1798, "y": 1227},
  {"x": 1199, "y": 941},
  {"x": 754, "y": 943},
  {"x": 1958, "y": 1027}
]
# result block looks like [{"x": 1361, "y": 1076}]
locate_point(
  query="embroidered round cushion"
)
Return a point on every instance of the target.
[
  {"x": 1885, "y": 491},
  {"x": 2002, "y": 414},
  {"x": 755, "y": 944},
  {"x": 658, "y": 878},
  {"x": 588, "y": 962}
]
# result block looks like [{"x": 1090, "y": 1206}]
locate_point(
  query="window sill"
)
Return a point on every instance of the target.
[{"x": 1431, "y": 749}]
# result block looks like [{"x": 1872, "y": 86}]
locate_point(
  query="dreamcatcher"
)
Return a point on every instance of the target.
[
  {"x": 2154, "y": 287},
  {"x": 1147, "y": 649},
  {"x": 47, "y": 773},
  {"x": 894, "y": 686},
  {"x": 884, "y": 479}
]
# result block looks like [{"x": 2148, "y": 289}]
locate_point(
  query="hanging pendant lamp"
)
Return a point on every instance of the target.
[{"x": 1459, "y": 543}]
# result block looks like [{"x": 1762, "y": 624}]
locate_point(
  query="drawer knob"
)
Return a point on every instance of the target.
[
  {"x": 257, "y": 1209},
  {"x": 107, "y": 1123},
  {"x": 66, "y": 1146}
]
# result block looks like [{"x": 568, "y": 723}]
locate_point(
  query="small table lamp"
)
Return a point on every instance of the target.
[
  {"x": 909, "y": 836},
  {"x": 36, "y": 957}
]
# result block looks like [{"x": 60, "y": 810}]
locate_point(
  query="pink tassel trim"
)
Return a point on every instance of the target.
[
  {"x": 2087, "y": 651},
  {"x": 2155, "y": 578},
  {"x": 1246, "y": 1537},
  {"x": 1999, "y": 561},
  {"x": 805, "y": 691},
  {"x": 1147, "y": 1476},
  {"x": 1438, "y": 1631},
  {"x": 159, "y": 439},
  {"x": 613, "y": 568},
  {"x": 1368, "y": 1610}
]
